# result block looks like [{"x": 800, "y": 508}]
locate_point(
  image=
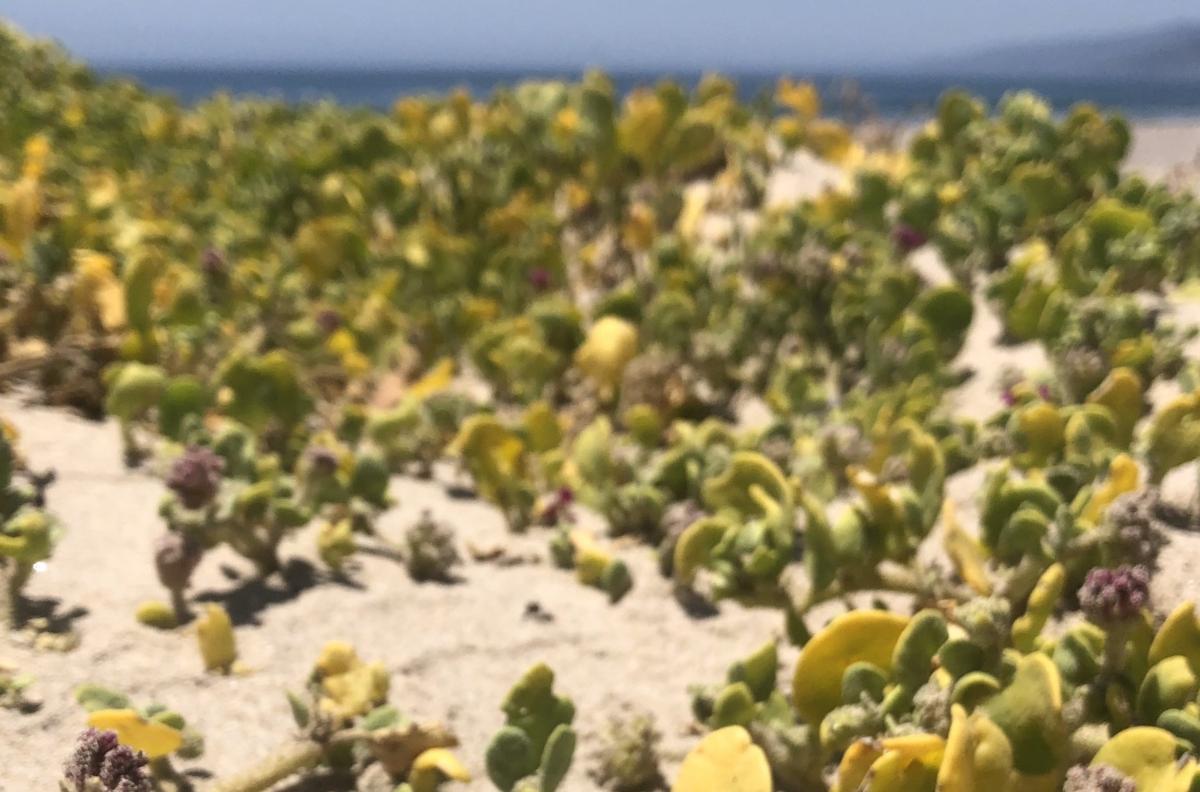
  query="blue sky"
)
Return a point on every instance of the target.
[{"x": 682, "y": 34}]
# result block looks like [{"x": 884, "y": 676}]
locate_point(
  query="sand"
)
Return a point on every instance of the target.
[{"x": 452, "y": 650}]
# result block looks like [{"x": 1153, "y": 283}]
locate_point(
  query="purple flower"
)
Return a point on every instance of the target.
[
  {"x": 539, "y": 278},
  {"x": 1044, "y": 392},
  {"x": 1113, "y": 596},
  {"x": 907, "y": 238},
  {"x": 175, "y": 558},
  {"x": 196, "y": 476},
  {"x": 1008, "y": 397},
  {"x": 88, "y": 757},
  {"x": 122, "y": 768},
  {"x": 329, "y": 320},
  {"x": 212, "y": 262},
  {"x": 322, "y": 461},
  {"x": 99, "y": 756},
  {"x": 558, "y": 507}
]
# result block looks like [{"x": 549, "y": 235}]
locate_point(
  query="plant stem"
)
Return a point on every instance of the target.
[
  {"x": 263, "y": 552},
  {"x": 285, "y": 762},
  {"x": 267, "y": 560},
  {"x": 179, "y": 603},
  {"x": 167, "y": 777},
  {"x": 1022, "y": 579},
  {"x": 15, "y": 574},
  {"x": 1114, "y": 650}
]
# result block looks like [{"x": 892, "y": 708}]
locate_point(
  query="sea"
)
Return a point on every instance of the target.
[{"x": 892, "y": 95}]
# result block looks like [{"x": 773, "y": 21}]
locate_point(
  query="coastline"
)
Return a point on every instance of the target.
[{"x": 899, "y": 97}]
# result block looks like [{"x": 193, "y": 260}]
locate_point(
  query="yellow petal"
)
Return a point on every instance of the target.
[
  {"x": 978, "y": 756},
  {"x": 725, "y": 761},
  {"x": 868, "y": 636},
  {"x": 965, "y": 551},
  {"x": 214, "y": 631},
  {"x": 22, "y": 207},
  {"x": 1147, "y": 755},
  {"x": 1121, "y": 392},
  {"x": 355, "y": 692},
  {"x": 1122, "y": 478},
  {"x": 611, "y": 343},
  {"x": 434, "y": 766},
  {"x": 801, "y": 97},
  {"x": 1179, "y": 635},
  {"x": 437, "y": 379},
  {"x": 97, "y": 288},
  {"x": 150, "y": 737},
  {"x": 855, "y": 765}
]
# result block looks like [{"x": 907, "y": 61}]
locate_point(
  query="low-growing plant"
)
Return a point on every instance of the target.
[
  {"x": 229, "y": 494},
  {"x": 594, "y": 564},
  {"x": 534, "y": 749},
  {"x": 902, "y": 699},
  {"x": 430, "y": 552},
  {"x": 628, "y": 758},
  {"x": 27, "y": 532},
  {"x": 156, "y": 732},
  {"x": 100, "y": 763},
  {"x": 345, "y": 723},
  {"x": 15, "y": 690}
]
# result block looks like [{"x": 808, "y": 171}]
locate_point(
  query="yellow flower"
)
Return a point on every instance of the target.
[
  {"x": 610, "y": 345},
  {"x": 37, "y": 151},
  {"x": 214, "y": 632},
  {"x": 343, "y": 344},
  {"x": 801, "y": 97},
  {"x": 356, "y": 691},
  {"x": 433, "y": 767},
  {"x": 638, "y": 231},
  {"x": 98, "y": 291},
  {"x": 725, "y": 761},
  {"x": 566, "y": 123},
  {"x": 337, "y": 657},
  {"x": 150, "y": 737}
]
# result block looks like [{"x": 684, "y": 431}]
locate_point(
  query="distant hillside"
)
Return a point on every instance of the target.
[{"x": 1170, "y": 53}]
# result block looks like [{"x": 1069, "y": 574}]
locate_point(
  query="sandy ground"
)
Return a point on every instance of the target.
[
  {"x": 453, "y": 650},
  {"x": 1167, "y": 149}
]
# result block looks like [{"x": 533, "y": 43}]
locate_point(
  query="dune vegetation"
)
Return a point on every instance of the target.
[{"x": 580, "y": 302}]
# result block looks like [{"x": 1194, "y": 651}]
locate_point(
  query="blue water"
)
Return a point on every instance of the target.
[{"x": 891, "y": 95}]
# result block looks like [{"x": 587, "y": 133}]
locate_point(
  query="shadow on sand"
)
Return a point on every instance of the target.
[{"x": 246, "y": 601}]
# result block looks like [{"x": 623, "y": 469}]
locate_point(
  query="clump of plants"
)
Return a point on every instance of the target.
[
  {"x": 534, "y": 749},
  {"x": 16, "y": 690},
  {"x": 100, "y": 763},
  {"x": 594, "y": 564},
  {"x": 345, "y": 723},
  {"x": 27, "y": 532},
  {"x": 875, "y": 690},
  {"x": 628, "y": 757},
  {"x": 230, "y": 493},
  {"x": 155, "y": 732},
  {"x": 430, "y": 552}
]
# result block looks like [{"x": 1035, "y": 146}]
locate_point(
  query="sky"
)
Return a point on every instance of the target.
[{"x": 616, "y": 34}]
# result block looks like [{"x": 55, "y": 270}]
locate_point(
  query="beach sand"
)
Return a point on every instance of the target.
[{"x": 452, "y": 650}]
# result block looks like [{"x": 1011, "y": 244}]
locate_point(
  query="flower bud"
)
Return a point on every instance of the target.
[
  {"x": 1113, "y": 596},
  {"x": 196, "y": 476},
  {"x": 175, "y": 558}
]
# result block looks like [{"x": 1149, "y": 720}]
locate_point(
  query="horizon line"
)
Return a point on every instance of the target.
[{"x": 908, "y": 71}]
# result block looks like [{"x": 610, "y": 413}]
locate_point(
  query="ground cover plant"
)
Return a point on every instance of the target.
[{"x": 523, "y": 298}]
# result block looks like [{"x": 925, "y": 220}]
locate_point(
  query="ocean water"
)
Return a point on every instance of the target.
[{"x": 890, "y": 95}]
